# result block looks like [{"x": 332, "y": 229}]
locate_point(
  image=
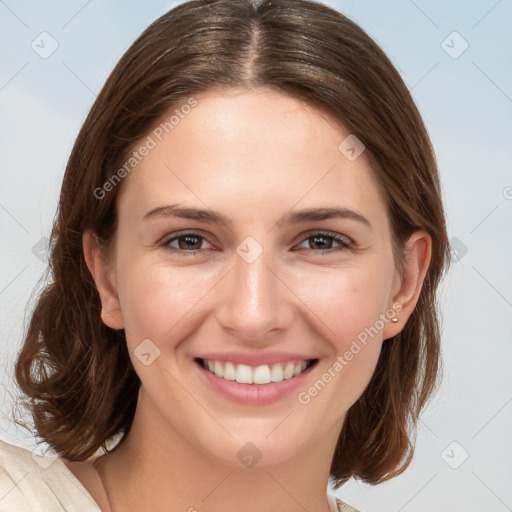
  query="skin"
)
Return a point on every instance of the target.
[{"x": 252, "y": 156}]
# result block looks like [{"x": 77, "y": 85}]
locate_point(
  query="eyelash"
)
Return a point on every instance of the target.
[{"x": 345, "y": 243}]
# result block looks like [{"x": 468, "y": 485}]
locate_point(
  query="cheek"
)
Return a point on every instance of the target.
[
  {"x": 347, "y": 301},
  {"x": 349, "y": 305},
  {"x": 155, "y": 301}
]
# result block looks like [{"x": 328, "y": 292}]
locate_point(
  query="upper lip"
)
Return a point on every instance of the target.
[{"x": 254, "y": 359}]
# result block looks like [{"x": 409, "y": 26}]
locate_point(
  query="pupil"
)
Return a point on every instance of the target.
[
  {"x": 320, "y": 237},
  {"x": 188, "y": 241}
]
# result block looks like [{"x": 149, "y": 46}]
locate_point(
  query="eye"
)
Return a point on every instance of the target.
[
  {"x": 322, "y": 242},
  {"x": 189, "y": 243}
]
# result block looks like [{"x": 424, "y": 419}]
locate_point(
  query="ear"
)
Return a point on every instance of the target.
[
  {"x": 418, "y": 252},
  {"x": 104, "y": 278}
]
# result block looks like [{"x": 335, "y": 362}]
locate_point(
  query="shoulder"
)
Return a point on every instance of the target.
[
  {"x": 30, "y": 482},
  {"x": 339, "y": 506}
]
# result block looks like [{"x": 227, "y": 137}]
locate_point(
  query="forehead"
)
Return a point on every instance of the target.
[{"x": 258, "y": 149}]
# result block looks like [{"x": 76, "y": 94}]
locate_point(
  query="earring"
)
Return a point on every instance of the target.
[{"x": 395, "y": 320}]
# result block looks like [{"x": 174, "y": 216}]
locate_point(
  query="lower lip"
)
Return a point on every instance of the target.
[{"x": 253, "y": 394}]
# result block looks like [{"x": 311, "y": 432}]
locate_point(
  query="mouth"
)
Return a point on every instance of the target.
[
  {"x": 261, "y": 374},
  {"x": 252, "y": 385}
]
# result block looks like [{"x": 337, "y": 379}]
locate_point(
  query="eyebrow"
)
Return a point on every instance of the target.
[{"x": 290, "y": 218}]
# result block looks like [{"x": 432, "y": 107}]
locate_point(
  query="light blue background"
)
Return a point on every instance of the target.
[{"x": 466, "y": 104}]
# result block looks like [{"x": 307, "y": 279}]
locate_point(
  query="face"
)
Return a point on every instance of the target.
[{"x": 228, "y": 255}]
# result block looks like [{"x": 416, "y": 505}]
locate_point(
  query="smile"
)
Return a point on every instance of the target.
[
  {"x": 262, "y": 374},
  {"x": 254, "y": 379}
]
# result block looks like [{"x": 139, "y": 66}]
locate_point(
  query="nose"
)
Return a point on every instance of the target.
[{"x": 255, "y": 303}]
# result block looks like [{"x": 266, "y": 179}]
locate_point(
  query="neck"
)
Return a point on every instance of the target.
[{"x": 155, "y": 466}]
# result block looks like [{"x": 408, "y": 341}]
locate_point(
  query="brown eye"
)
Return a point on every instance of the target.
[
  {"x": 186, "y": 243},
  {"x": 326, "y": 243}
]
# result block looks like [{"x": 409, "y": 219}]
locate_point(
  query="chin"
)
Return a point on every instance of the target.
[{"x": 261, "y": 447}]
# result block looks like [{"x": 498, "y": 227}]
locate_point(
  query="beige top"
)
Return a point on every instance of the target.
[{"x": 34, "y": 483}]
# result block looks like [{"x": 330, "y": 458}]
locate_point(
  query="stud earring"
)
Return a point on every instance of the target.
[{"x": 395, "y": 320}]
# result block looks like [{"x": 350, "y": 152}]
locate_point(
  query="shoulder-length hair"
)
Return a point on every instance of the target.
[{"x": 75, "y": 372}]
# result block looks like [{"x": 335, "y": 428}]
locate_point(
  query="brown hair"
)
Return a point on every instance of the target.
[{"x": 75, "y": 372}]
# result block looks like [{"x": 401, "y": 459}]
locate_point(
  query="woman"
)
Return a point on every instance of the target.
[{"x": 249, "y": 241}]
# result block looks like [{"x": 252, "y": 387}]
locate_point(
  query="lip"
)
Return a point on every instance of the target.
[
  {"x": 255, "y": 359},
  {"x": 253, "y": 394}
]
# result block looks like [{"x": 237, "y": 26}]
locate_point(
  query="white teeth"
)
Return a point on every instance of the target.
[
  {"x": 218, "y": 369},
  {"x": 229, "y": 371},
  {"x": 263, "y": 374},
  {"x": 277, "y": 373},
  {"x": 289, "y": 371},
  {"x": 243, "y": 374}
]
